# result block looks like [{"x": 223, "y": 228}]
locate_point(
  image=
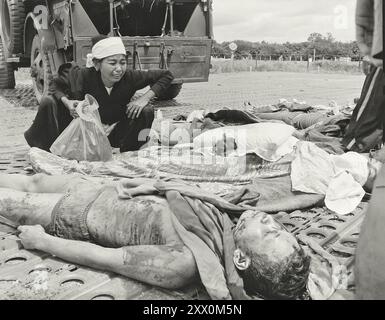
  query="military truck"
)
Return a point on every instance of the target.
[{"x": 168, "y": 34}]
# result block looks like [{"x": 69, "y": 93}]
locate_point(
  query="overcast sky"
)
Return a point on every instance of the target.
[{"x": 282, "y": 20}]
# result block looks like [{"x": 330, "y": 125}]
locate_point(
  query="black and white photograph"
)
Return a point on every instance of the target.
[{"x": 206, "y": 152}]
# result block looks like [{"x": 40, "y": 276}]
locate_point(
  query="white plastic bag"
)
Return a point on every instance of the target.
[{"x": 84, "y": 138}]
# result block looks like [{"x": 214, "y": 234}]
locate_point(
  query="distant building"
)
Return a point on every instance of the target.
[{"x": 345, "y": 59}]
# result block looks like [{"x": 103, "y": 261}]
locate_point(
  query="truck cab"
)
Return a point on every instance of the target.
[{"x": 167, "y": 34}]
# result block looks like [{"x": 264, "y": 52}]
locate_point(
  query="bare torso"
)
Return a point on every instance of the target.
[
  {"x": 143, "y": 220},
  {"x": 115, "y": 222}
]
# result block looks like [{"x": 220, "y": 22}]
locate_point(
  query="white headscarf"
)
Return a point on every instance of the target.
[{"x": 105, "y": 48}]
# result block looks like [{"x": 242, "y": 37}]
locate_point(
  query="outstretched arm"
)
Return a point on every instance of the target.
[
  {"x": 170, "y": 267},
  {"x": 38, "y": 183}
]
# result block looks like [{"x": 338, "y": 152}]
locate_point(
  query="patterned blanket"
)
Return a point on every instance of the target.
[{"x": 164, "y": 162}]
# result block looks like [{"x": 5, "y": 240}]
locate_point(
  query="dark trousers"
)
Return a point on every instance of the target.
[
  {"x": 53, "y": 117},
  {"x": 131, "y": 134},
  {"x": 365, "y": 129}
]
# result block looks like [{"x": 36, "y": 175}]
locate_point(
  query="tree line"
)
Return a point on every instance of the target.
[{"x": 317, "y": 45}]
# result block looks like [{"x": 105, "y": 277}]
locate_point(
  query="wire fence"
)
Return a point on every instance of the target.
[
  {"x": 288, "y": 57},
  {"x": 226, "y": 65}
]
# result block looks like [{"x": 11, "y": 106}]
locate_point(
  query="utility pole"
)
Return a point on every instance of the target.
[{"x": 233, "y": 47}]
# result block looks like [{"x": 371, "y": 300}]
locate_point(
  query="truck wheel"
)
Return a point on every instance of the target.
[
  {"x": 171, "y": 92},
  {"x": 40, "y": 69},
  {"x": 7, "y": 76},
  {"x": 12, "y": 16}
]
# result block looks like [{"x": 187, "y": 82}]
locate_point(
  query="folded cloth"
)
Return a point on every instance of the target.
[
  {"x": 195, "y": 192},
  {"x": 273, "y": 195},
  {"x": 246, "y": 195},
  {"x": 331, "y": 145}
]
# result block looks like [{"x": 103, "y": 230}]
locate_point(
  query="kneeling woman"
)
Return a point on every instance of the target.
[{"x": 113, "y": 86}]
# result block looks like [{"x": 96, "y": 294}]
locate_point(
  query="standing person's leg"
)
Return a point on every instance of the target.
[
  {"x": 51, "y": 119},
  {"x": 370, "y": 254},
  {"x": 382, "y": 112},
  {"x": 131, "y": 134},
  {"x": 364, "y": 131}
]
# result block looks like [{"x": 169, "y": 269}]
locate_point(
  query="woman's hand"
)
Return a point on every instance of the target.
[
  {"x": 71, "y": 106},
  {"x": 32, "y": 237},
  {"x": 134, "y": 108}
]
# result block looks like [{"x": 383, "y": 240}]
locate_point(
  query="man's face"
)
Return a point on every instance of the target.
[
  {"x": 261, "y": 234},
  {"x": 113, "y": 68}
]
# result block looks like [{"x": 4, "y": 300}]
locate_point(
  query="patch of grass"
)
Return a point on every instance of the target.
[{"x": 227, "y": 66}]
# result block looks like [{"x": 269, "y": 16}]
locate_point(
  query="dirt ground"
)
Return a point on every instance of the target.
[{"x": 18, "y": 106}]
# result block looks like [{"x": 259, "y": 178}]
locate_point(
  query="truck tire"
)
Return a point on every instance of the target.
[
  {"x": 40, "y": 69},
  {"x": 171, "y": 92},
  {"x": 7, "y": 75},
  {"x": 12, "y": 26}
]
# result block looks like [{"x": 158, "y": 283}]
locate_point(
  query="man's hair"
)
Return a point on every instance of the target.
[{"x": 286, "y": 279}]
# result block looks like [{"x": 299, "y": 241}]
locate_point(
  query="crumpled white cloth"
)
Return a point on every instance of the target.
[
  {"x": 344, "y": 194},
  {"x": 339, "y": 177},
  {"x": 354, "y": 163},
  {"x": 270, "y": 141}
]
